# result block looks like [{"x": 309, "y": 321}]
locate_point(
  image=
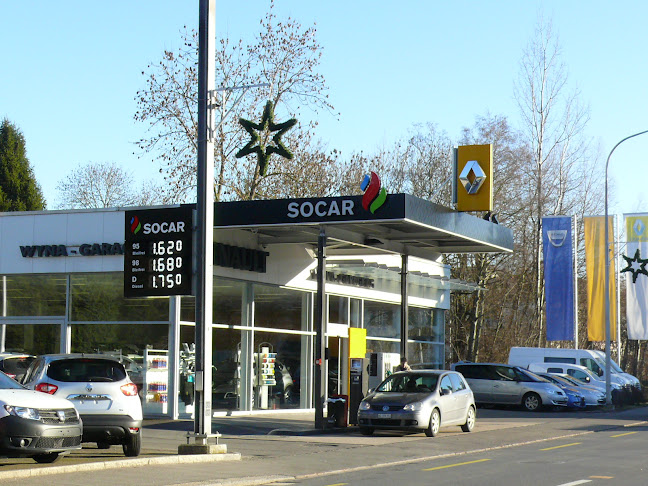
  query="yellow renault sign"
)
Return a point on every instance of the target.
[{"x": 475, "y": 178}]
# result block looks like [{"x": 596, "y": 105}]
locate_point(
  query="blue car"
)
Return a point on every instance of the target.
[{"x": 575, "y": 399}]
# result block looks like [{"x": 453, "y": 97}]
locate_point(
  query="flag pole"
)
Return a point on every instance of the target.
[
  {"x": 575, "y": 261},
  {"x": 608, "y": 394}
]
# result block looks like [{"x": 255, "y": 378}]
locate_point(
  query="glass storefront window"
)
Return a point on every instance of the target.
[
  {"x": 35, "y": 295},
  {"x": 287, "y": 370},
  {"x": 142, "y": 348},
  {"x": 338, "y": 309},
  {"x": 33, "y": 338},
  {"x": 226, "y": 306},
  {"x": 426, "y": 324},
  {"x": 376, "y": 346},
  {"x": 100, "y": 297},
  {"x": 356, "y": 312},
  {"x": 279, "y": 308},
  {"x": 425, "y": 355},
  {"x": 382, "y": 319}
]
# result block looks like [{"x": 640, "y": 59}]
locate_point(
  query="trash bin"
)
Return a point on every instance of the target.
[{"x": 337, "y": 410}]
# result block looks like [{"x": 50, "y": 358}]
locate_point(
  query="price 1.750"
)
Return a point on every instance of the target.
[{"x": 167, "y": 281}]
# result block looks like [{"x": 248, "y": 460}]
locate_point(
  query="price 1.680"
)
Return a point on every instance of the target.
[{"x": 168, "y": 264}]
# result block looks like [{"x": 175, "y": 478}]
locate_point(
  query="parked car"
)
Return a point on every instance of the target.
[
  {"x": 502, "y": 384},
  {"x": 593, "y": 397},
  {"x": 15, "y": 365},
  {"x": 585, "y": 376},
  {"x": 418, "y": 400},
  {"x": 36, "y": 425},
  {"x": 100, "y": 390},
  {"x": 575, "y": 399}
]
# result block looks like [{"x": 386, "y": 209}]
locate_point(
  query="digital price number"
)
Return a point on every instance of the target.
[{"x": 158, "y": 256}]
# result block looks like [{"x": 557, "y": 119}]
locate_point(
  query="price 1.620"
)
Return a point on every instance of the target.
[{"x": 166, "y": 247}]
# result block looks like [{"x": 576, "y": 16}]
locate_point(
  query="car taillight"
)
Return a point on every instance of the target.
[
  {"x": 46, "y": 388},
  {"x": 129, "y": 389}
]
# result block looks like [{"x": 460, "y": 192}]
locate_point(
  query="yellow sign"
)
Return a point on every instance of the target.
[
  {"x": 357, "y": 342},
  {"x": 475, "y": 178}
]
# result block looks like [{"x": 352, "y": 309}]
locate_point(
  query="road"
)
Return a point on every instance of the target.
[{"x": 506, "y": 447}]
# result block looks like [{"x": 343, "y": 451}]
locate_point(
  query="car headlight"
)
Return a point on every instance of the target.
[
  {"x": 23, "y": 412},
  {"x": 364, "y": 405},
  {"x": 556, "y": 392},
  {"x": 413, "y": 407}
]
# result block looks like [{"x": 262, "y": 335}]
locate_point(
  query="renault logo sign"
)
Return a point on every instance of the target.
[
  {"x": 472, "y": 185},
  {"x": 473, "y": 178}
]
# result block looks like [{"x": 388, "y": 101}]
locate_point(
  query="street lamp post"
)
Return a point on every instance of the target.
[{"x": 608, "y": 394}]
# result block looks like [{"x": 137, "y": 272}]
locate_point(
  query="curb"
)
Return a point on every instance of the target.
[{"x": 119, "y": 464}]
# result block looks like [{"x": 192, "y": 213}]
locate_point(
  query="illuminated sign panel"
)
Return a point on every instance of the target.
[
  {"x": 158, "y": 252},
  {"x": 475, "y": 178}
]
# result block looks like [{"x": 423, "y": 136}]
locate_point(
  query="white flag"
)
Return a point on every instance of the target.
[{"x": 636, "y": 271}]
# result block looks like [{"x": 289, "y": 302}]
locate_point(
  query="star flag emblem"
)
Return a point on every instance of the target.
[
  {"x": 257, "y": 143},
  {"x": 636, "y": 265}
]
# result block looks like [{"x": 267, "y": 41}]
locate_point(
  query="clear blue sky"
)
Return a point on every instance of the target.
[{"x": 71, "y": 69}]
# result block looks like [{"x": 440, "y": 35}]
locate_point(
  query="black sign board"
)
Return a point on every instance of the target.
[{"x": 158, "y": 252}]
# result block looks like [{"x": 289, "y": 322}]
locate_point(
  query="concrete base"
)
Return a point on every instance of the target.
[{"x": 186, "y": 449}]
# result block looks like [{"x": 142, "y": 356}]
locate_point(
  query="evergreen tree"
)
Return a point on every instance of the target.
[{"x": 19, "y": 190}]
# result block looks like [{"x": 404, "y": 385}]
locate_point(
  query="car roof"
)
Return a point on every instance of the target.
[
  {"x": 423, "y": 372},
  {"x": 56, "y": 357}
]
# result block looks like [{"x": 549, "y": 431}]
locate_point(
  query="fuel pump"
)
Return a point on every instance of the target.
[{"x": 358, "y": 385}]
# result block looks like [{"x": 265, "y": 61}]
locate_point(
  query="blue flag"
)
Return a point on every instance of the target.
[{"x": 559, "y": 277}]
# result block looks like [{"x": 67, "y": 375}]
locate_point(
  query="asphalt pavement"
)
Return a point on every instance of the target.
[{"x": 280, "y": 447}]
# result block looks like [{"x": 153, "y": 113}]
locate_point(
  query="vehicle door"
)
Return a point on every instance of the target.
[
  {"x": 506, "y": 388},
  {"x": 480, "y": 381},
  {"x": 461, "y": 394},
  {"x": 447, "y": 400}
]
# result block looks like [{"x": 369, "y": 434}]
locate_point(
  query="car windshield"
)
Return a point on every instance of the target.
[
  {"x": 535, "y": 377},
  {"x": 16, "y": 365},
  {"x": 409, "y": 383},
  {"x": 86, "y": 369},
  {"x": 7, "y": 383}
]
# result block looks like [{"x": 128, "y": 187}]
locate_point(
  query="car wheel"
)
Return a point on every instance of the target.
[
  {"x": 434, "y": 425},
  {"x": 47, "y": 458},
  {"x": 133, "y": 445},
  {"x": 366, "y": 430},
  {"x": 532, "y": 402},
  {"x": 470, "y": 420},
  {"x": 103, "y": 445}
]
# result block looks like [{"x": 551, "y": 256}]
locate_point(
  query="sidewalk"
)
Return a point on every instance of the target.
[{"x": 258, "y": 454}]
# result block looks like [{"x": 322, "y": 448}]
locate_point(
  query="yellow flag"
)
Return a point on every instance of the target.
[{"x": 595, "y": 266}]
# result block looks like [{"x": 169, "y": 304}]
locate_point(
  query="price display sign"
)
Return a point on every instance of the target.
[{"x": 158, "y": 252}]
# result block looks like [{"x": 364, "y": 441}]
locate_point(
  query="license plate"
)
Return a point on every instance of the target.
[{"x": 384, "y": 415}]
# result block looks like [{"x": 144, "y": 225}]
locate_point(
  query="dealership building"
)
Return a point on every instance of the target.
[{"x": 70, "y": 284}]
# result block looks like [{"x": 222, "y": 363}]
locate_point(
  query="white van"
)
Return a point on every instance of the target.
[{"x": 590, "y": 359}]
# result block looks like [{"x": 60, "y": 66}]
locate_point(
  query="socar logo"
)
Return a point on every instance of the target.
[
  {"x": 374, "y": 196},
  {"x": 136, "y": 226}
]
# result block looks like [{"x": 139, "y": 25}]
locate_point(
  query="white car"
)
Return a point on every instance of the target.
[
  {"x": 36, "y": 425},
  {"x": 101, "y": 391}
]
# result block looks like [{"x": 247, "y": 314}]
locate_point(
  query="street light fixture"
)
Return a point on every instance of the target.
[{"x": 608, "y": 394}]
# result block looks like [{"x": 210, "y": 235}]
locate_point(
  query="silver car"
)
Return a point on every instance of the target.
[
  {"x": 418, "y": 400},
  {"x": 502, "y": 384}
]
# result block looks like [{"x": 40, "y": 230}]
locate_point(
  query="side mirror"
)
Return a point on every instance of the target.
[
  {"x": 445, "y": 391},
  {"x": 601, "y": 372},
  {"x": 370, "y": 391}
]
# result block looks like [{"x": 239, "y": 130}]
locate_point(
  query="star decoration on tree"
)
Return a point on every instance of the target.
[
  {"x": 636, "y": 265},
  {"x": 257, "y": 143}
]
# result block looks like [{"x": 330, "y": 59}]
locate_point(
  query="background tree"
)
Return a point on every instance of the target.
[
  {"x": 19, "y": 190},
  {"x": 104, "y": 185},
  {"x": 287, "y": 57}
]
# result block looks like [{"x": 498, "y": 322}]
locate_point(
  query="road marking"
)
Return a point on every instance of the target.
[
  {"x": 602, "y": 477},
  {"x": 561, "y": 446},
  {"x": 455, "y": 465},
  {"x": 574, "y": 483},
  {"x": 338, "y": 484},
  {"x": 621, "y": 435}
]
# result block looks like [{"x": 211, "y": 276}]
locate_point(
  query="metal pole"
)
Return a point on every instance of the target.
[
  {"x": 319, "y": 387},
  {"x": 205, "y": 221},
  {"x": 404, "y": 310},
  {"x": 618, "y": 289},
  {"x": 608, "y": 394},
  {"x": 575, "y": 260}
]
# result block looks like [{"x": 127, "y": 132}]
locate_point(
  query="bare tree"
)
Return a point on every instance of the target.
[
  {"x": 554, "y": 123},
  {"x": 104, "y": 185},
  {"x": 285, "y": 56}
]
